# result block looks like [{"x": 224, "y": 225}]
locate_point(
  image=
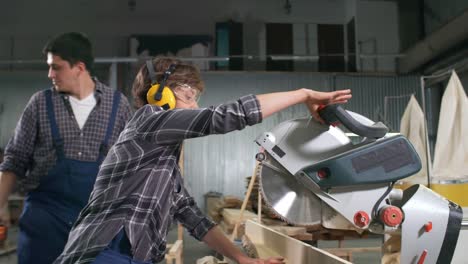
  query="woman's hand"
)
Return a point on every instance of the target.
[
  {"x": 315, "y": 99},
  {"x": 274, "y": 102}
]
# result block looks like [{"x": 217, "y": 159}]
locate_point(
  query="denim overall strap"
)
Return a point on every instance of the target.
[
  {"x": 57, "y": 141},
  {"x": 52, "y": 208},
  {"x": 104, "y": 148}
]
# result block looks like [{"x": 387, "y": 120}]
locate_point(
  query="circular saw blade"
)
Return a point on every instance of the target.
[{"x": 286, "y": 196}]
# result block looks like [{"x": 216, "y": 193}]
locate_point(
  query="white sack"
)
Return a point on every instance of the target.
[
  {"x": 451, "y": 150},
  {"x": 412, "y": 127}
]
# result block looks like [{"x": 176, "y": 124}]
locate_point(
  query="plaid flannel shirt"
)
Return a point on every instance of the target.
[
  {"x": 139, "y": 186},
  {"x": 30, "y": 153}
]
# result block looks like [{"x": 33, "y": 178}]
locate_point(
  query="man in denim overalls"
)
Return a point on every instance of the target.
[{"x": 61, "y": 139}]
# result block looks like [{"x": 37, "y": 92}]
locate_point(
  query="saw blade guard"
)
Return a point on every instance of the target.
[
  {"x": 306, "y": 141},
  {"x": 300, "y": 142}
]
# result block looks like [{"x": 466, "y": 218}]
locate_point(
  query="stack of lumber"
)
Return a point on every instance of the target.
[
  {"x": 230, "y": 217},
  {"x": 216, "y": 205},
  {"x": 232, "y": 202}
]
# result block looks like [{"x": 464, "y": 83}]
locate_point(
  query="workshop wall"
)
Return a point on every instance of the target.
[{"x": 17, "y": 88}]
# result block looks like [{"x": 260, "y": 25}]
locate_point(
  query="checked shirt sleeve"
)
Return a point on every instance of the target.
[
  {"x": 173, "y": 126},
  {"x": 19, "y": 150},
  {"x": 190, "y": 216}
]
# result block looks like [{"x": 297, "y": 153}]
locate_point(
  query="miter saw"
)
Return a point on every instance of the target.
[{"x": 314, "y": 174}]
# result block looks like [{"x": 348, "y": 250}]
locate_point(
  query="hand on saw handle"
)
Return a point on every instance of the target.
[
  {"x": 320, "y": 99},
  {"x": 275, "y": 102}
]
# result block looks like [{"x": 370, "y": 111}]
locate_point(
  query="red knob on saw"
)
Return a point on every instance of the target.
[
  {"x": 428, "y": 227},
  {"x": 391, "y": 215},
  {"x": 361, "y": 219}
]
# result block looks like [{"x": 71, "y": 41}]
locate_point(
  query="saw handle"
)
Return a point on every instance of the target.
[{"x": 334, "y": 113}]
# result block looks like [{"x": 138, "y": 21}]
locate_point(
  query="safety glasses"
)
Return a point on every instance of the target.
[{"x": 186, "y": 93}]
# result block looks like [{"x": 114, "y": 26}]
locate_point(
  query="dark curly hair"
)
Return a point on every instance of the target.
[{"x": 183, "y": 73}]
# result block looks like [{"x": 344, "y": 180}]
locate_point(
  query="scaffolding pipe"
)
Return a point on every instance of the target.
[{"x": 278, "y": 57}]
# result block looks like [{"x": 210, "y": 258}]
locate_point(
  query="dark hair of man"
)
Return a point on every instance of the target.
[{"x": 72, "y": 47}]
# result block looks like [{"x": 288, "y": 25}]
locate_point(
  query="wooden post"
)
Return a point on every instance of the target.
[
  {"x": 259, "y": 206},
  {"x": 244, "y": 204}
]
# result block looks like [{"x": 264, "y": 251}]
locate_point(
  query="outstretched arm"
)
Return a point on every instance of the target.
[
  {"x": 216, "y": 240},
  {"x": 275, "y": 102}
]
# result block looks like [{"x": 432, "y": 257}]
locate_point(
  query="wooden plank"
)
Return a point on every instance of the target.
[
  {"x": 176, "y": 248},
  {"x": 289, "y": 230},
  {"x": 270, "y": 243},
  {"x": 337, "y": 251},
  {"x": 244, "y": 204}
]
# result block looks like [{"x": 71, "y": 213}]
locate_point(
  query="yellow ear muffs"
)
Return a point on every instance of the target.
[
  {"x": 167, "y": 101},
  {"x": 161, "y": 97}
]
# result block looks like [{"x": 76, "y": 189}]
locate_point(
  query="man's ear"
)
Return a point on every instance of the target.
[{"x": 80, "y": 66}]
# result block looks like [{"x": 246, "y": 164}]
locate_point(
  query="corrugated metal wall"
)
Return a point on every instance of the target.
[
  {"x": 221, "y": 163},
  {"x": 16, "y": 90}
]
